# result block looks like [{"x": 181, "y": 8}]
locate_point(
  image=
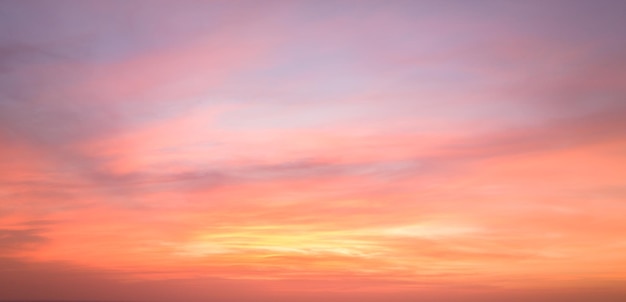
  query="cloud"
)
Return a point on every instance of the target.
[
  {"x": 62, "y": 281},
  {"x": 20, "y": 239}
]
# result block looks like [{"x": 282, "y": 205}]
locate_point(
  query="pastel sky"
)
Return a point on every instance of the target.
[{"x": 313, "y": 150}]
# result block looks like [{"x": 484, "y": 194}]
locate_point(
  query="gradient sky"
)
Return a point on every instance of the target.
[{"x": 313, "y": 150}]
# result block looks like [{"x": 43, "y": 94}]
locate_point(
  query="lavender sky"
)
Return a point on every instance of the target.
[{"x": 313, "y": 150}]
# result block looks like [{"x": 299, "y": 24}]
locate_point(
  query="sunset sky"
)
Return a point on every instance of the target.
[{"x": 226, "y": 151}]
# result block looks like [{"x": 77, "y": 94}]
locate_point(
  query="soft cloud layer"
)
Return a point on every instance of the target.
[{"x": 240, "y": 151}]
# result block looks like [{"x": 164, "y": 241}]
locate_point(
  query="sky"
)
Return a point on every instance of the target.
[{"x": 454, "y": 151}]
